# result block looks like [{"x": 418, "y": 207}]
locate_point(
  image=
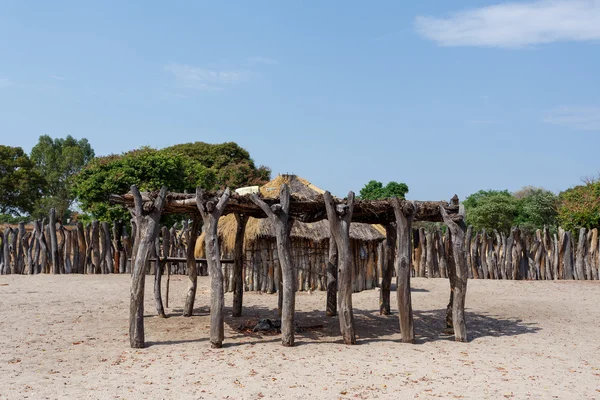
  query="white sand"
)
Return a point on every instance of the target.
[{"x": 66, "y": 337}]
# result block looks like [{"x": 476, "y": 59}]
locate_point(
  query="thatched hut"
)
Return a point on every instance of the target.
[{"x": 310, "y": 246}]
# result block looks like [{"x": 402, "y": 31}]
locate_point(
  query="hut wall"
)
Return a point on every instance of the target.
[{"x": 261, "y": 267}]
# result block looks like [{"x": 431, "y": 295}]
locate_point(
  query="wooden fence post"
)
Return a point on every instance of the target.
[{"x": 53, "y": 242}]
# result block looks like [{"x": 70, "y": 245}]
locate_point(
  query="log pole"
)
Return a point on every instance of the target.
[
  {"x": 339, "y": 217},
  {"x": 147, "y": 230},
  {"x": 211, "y": 213},
  {"x": 281, "y": 225},
  {"x": 404, "y": 213}
]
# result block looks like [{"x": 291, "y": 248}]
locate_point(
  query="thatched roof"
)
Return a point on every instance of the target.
[{"x": 316, "y": 231}]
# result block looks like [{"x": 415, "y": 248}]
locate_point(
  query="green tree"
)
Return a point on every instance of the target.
[
  {"x": 374, "y": 190},
  {"x": 231, "y": 164},
  {"x": 20, "y": 182},
  {"x": 58, "y": 161},
  {"x": 537, "y": 207},
  {"x": 147, "y": 168},
  {"x": 579, "y": 207},
  {"x": 491, "y": 209}
]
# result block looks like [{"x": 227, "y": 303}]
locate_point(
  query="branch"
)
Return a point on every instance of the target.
[
  {"x": 160, "y": 200},
  {"x": 199, "y": 201},
  {"x": 223, "y": 201},
  {"x": 137, "y": 201},
  {"x": 284, "y": 197},
  {"x": 263, "y": 206}
]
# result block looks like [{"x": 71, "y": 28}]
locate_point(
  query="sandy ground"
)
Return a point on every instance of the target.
[{"x": 66, "y": 337}]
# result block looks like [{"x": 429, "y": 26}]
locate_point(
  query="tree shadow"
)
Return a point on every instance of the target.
[
  {"x": 431, "y": 326},
  {"x": 315, "y": 328},
  {"x": 370, "y": 326}
]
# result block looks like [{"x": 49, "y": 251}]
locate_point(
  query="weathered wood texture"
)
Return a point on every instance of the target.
[
  {"x": 340, "y": 217},
  {"x": 211, "y": 210},
  {"x": 279, "y": 215},
  {"x": 147, "y": 223}
]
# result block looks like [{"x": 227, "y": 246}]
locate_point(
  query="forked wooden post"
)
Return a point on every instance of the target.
[
  {"x": 389, "y": 255},
  {"x": 238, "y": 257},
  {"x": 339, "y": 217},
  {"x": 404, "y": 213},
  {"x": 458, "y": 275},
  {"x": 211, "y": 213},
  {"x": 281, "y": 225},
  {"x": 192, "y": 269},
  {"x": 147, "y": 230}
]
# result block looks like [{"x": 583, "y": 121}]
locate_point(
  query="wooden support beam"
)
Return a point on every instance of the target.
[
  {"x": 238, "y": 272},
  {"x": 211, "y": 213},
  {"x": 387, "y": 270},
  {"x": 339, "y": 217},
  {"x": 458, "y": 276},
  {"x": 404, "y": 212},
  {"x": 147, "y": 230},
  {"x": 158, "y": 271},
  {"x": 332, "y": 279},
  {"x": 192, "y": 268},
  {"x": 281, "y": 225}
]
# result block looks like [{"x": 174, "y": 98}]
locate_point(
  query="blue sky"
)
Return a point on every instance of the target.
[{"x": 448, "y": 97}]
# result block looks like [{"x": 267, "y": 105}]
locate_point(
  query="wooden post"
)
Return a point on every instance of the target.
[
  {"x": 281, "y": 225},
  {"x": 579, "y": 260},
  {"x": 404, "y": 213},
  {"x": 95, "y": 242},
  {"x": 68, "y": 250},
  {"x": 468, "y": 238},
  {"x": 339, "y": 217},
  {"x": 54, "y": 243},
  {"x": 458, "y": 294},
  {"x": 20, "y": 261},
  {"x": 211, "y": 213},
  {"x": 147, "y": 229},
  {"x": 441, "y": 250},
  {"x": 192, "y": 268},
  {"x": 332, "y": 279},
  {"x": 158, "y": 271},
  {"x": 421, "y": 270},
  {"x": 6, "y": 250},
  {"x": 166, "y": 245},
  {"x": 238, "y": 270},
  {"x": 433, "y": 268},
  {"x": 387, "y": 268}
]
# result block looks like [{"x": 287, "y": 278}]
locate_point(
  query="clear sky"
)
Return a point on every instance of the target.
[{"x": 448, "y": 97}]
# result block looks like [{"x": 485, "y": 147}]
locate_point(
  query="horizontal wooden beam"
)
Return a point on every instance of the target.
[{"x": 303, "y": 210}]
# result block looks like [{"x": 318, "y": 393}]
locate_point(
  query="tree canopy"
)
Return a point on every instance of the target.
[
  {"x": 530, "y": 208},
  {"x": 58, "y": 161},
  {"x": 180, "y": 168},
  {"x": 20, "y": 182},
  {"x": 491, "y": 209},
  {"x": 580, "y": 206},
  {"x": 374, "y": 190},
  {"x": 231, "y": 164}
]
